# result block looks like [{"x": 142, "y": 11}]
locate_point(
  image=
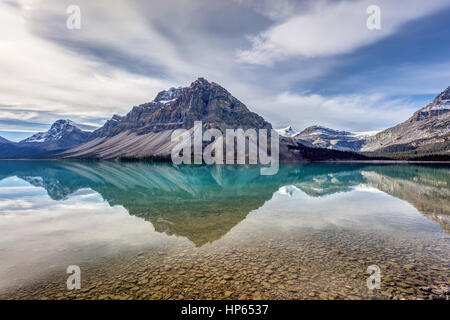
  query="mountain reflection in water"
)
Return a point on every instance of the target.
[{"x": 203, "y": 203}]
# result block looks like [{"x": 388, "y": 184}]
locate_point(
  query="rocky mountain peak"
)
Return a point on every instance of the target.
[
  {"x": 287, "y": 132},
  {"x": 180, "y": 107},
  {"x": 439, "y": 106},
  {"x": 60, "y": 130},
  {"x": 60, "y": 125},
  {"x": 201, "y": 83}
]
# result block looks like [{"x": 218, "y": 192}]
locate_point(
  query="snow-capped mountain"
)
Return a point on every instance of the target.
[
  {"x": 62, "y": 135},
  {"x": 146, "y": 130},
  {"x": 286, "y": 132},
  {"x": 428, "y": 130},
  {"x": 62, "y": 130},
  {"x": 322, "y": 137}
]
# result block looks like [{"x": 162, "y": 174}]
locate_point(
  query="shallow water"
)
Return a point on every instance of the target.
[{"x": 156, "y": 231}]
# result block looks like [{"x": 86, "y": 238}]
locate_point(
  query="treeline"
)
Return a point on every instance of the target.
[
  {"x": 430, "y": 152},
  {"x": 322, "y": 154}
]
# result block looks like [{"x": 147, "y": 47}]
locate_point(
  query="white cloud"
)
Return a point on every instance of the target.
[
  {"x": 344, "y": 112},
  {"x": 89, "y": 74},
  {"x": 19, "y": 114},
  {"x": 47, "y": 77},
  {"x": 333, "y": 28}
]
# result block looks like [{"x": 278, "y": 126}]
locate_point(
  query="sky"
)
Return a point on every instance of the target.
[{"x": 296, "y": 63}]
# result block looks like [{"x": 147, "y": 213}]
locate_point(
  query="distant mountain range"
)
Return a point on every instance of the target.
[
  {"x": 146, "y": 130},
  {"x": 426, "y": 132},
  {"x": 62, "y": 135}
]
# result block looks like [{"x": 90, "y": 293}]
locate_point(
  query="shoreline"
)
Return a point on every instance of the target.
[
  {"x": 281, "y": 162},
  {"x": 383, "y": 161}
]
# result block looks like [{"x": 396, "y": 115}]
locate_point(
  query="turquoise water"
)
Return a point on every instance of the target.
[{"x": 157, "y": 231}]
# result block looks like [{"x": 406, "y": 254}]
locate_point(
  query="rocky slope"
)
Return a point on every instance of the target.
[{"x": 429, "y": 125}]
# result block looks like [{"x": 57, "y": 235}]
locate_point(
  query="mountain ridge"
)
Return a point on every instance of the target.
[
  {"x": 426, "y": 131},
  {"x": 4, "y": 140},
  {"x": 428, "y": 125},
  {"x": 145, "y": 131}
]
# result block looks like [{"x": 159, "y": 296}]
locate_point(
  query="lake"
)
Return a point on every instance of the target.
[{"x": 157, "y": 231}]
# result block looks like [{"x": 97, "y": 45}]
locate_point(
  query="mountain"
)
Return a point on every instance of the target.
[
  {"x": 286, "y": 132},
  {"x": 428, "y": 128},
  {"x": 179, "y": 108},
  {"x": 62, "y": 135},
  {"x": 147, "y": 128},
  {"x": 424, "y": 135},
  {"x": 3, "y": 140},
  {"x": 321, "y": 137},
  {"x": 145, "y": 132}
]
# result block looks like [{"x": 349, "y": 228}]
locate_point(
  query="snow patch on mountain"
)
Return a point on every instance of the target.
[
  {"x": 365, "y": 134},
  {"x": 287, "y": 132},
  {"x": 170, "y": 95}
]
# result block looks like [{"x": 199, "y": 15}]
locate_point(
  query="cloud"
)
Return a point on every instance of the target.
[
  {"x": 128, "y": 51},
  {"x": 122, "y": 55},
  {"x": 18, "y": 114},
  {"x": 344, "y": 112},
  {"x": 332, "y": 28},
  {"x": 275, "y": 10},
  {"x": 49, "y": 78}
]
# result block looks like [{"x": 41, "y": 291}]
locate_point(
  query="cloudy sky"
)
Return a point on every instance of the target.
[{"x": 296, "y": 63}]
